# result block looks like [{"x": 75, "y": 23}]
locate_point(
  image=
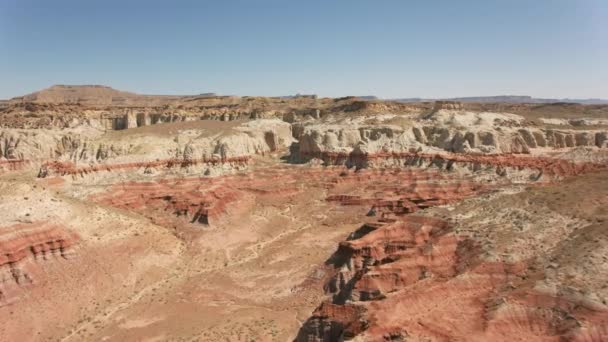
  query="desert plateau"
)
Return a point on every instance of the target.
[{"x": 127, "y": 217}]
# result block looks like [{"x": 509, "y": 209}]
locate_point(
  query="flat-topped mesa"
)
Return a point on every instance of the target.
[
  {"x": 23, "y": 249},
  {"x": 133, "y": 118}
]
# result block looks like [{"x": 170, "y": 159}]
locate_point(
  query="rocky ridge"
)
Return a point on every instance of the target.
[{"x": 23, "y": 247}]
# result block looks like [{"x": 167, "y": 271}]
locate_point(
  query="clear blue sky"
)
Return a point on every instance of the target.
[{"x": 543, "y": 48}]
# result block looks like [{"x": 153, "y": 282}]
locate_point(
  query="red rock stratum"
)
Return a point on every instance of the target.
[
  {"x": 413, "y": 278},
  {"x": 127, "y": 217},
  {"x": 24, "y": 249}
]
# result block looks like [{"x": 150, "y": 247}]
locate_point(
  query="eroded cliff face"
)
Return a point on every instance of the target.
[
  {"x": 401, "y": 276},
  {"x": 413, "y": 278},
  {"x": 24, "y": 249},
  {"x": 445, "y": 223},
  {"x": 443, "y": 131},
  {"x": 178, "y": 202},
  {"x": 76, "y": 153},
  {"x": 206, "y": 200}
]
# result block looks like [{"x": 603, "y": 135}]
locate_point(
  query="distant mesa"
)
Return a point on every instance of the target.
[
  {"x": 299, "y": 96},
  {"x": 84, "y": 94},
  {"x": 100, "y": 95},
  {"x": 504, "y": 99},
  {"x": 96, "y": 95}
]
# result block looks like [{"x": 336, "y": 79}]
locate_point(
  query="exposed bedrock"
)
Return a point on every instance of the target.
[
  {"x": 175, "y": 202},
  {"x": 510, "y": 166},
  {"x": 24, "y": 249},
  {"x": 49, "y": 145},
  {"x": 61, "y": 116},
  {"x": 407, "y": 248},
  {"x": 133, "y": 118},
  {"x": 414, "y": 279},
  {"x": 395, "y": 192},
  {"x": 207, "y": 200},
  {"x": 13, "y": 165},
  {"x": 494, "y": 137},
  {"x": 72, "y": 152},
  {"x": 331, "y": 322},
  {"x": 56, "y": 168},
  {"x": 209, "y": 217},
  {"x": 204, "y": 200}
]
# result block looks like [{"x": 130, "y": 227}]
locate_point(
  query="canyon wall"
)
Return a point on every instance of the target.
[
  {"x": 321, "y": 138},
  {"x": 414, "y": 279},
  {"x": 74, "y": 152}
]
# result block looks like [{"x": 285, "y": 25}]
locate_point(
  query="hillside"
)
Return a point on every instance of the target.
[{"x": 92, "y": 95}]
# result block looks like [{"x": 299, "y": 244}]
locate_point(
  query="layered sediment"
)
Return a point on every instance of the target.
[
  {"x": 210, "y": 217},
  {"x": 70, "y": 169},
  {"x": 203, "y": 200},
  {"x": 413, "y": 278},
  {"x": 501, "y": 163},
  {"x": 24, "y": 249}
]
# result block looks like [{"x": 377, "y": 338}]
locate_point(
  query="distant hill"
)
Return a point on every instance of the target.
[
  {"x": 367, "y": 97},
  {"x": 76, "y": 94},
  {"x": 507, "y": 99},
  {"x": 99, "y": 95},
  {"x": 95, "y": 95},
  {"x": 299, "y": 96}
]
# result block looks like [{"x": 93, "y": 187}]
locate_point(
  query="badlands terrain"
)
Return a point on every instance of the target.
[{"x": 126, "y": 217}]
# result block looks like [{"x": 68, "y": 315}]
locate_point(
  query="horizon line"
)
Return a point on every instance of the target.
[{"x": 211, "y": 93}]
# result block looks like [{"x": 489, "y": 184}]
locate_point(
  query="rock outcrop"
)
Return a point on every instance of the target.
[
  {"x": 414, "y": 279},
  {"x": 511, "y": 166},
  {"x": 487, "y": 139},
  {"x": 69, "y": 169},
  {"x": 24, "y": 248},
  {"x": 395, "y": 192},
  {"x": 204, "y": 200},
  {"x": 213, "y": 218},
  {"x": 72, "y": 152},
  {"x": 172, "y": 203}
]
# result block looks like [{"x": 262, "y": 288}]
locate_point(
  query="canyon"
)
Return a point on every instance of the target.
[{"x": 128, "y": 217}]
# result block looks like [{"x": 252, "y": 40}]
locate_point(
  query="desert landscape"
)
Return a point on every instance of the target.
[{"x": 128, "y": 217}]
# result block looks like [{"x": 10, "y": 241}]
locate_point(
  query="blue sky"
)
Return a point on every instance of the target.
[{"x": 543, "y": 48}]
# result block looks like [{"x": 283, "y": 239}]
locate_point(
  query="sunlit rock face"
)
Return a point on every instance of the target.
[
  {"x": 126, "y": 217},
  {"x": 414, "y": 278},
  {"x": 25, "y": 249}
]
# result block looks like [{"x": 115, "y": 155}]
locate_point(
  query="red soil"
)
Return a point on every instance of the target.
[
  {"x": 413, "y": 278},
  {"x": 402, "y": 276},
  {"x": 204, "y": 200},
  {"x": 23, "y": 247},
  {"x": 196, "y": 200},
  {"x": 69, "y": 168}
]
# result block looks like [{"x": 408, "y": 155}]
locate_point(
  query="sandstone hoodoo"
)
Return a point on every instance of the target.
[{"x": 207, "y": 218}]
